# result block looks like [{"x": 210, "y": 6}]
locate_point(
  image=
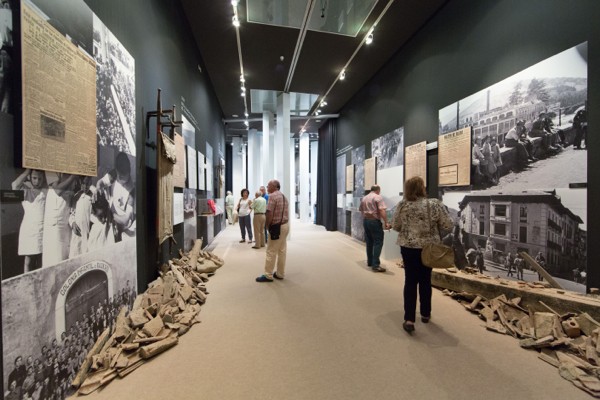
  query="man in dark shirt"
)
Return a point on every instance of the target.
[{"x": 18, "y": 374}]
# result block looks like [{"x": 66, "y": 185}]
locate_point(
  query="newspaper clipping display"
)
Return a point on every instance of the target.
[
  {"x": 370, "y": 172},
  {"x": 349, "y": 177},
  {"x": 415, "y": 161},
  {"x": 454, "y": 149},
  {"x": 179, "y": 171},
  {"x": 59, "y": 101}
]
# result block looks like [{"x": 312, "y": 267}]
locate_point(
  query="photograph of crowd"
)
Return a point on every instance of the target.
[
  {"x": 528, "y": 127},
  {"x": 48, "y": 374},
  {"x": 115, "y": 91},
  {"x": 6, "y": 57},
  {"x": 389, "y": 149},
  {"x": 358, "y": 159}
]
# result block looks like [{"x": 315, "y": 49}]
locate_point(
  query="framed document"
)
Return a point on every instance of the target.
[
  {"x": 349, "y": 178},
  {"x": 370, "y": 172},
  {"x": 454, "y": 158},
  {"x": 415, "y": 161}
]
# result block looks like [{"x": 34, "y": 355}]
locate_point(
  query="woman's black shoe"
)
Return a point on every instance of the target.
[
  {"x": 410, "y": 328},
  {"x": 425, "y": 319}
]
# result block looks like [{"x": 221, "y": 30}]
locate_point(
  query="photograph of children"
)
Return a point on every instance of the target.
[{"x": 190, "y": 214}]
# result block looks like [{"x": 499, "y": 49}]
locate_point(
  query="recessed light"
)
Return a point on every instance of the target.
[
  {"x": 234, "y": 115},
  {"x": 318, "y": 120}
]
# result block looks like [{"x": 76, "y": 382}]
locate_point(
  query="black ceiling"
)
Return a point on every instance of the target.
[{"x": 321, "y": 58}]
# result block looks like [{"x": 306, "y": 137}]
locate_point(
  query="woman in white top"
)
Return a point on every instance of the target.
[{"x": 244, "y": 210}]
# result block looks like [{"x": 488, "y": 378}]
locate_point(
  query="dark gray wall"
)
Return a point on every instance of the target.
[
  {"x": 157, "y": 35},
  {"x": 468, "y": 46}
]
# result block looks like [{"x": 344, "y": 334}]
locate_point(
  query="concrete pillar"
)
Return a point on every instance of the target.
[
  {"x": 267, "y": 147},
  {"x": 282, "y": 145},
  {"x": 254, "y": 161},
  {"x": 304, "y": 199},
  {"x": 293, "y": 175},
  {"x": 238, "y": 165}
]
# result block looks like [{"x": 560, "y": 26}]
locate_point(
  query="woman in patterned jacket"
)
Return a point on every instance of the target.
[{"x": 418, "y": 220}]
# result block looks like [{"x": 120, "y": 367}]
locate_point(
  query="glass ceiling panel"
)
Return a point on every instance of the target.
[
  {"x": 266, "y": 100},
  {"x": 287, "y": 13},
  {"x": 344, "y": 17}
]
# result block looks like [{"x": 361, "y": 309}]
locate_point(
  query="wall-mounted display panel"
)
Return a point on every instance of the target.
[
  {"x": 59, "y": 99},
  {"x": 454, "y": 158},
  {"x": 415, "y": 161}
]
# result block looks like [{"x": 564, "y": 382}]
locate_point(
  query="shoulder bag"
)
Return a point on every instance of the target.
[
  {"x": 275, "y": 229},
  {"x": 436, "y": 255}
]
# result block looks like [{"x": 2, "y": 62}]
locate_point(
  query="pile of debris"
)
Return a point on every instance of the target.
[
  {"x": 167, "y": 310},
  {"x": 570, "y": 342}
]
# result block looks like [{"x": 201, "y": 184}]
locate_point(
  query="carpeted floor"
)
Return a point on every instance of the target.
[{"x": 332, "y": 330}]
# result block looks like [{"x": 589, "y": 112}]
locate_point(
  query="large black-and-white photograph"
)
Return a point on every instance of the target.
[
  {"x": 68, "y": 307},
  {"x": 340, "y": 174},
  {"x": 389, "y": 150},
  {"x": 493, "y": 227},
  {"x": 358, "y": 159},
  {"x": 190, "y": 222},
  {"x": 68, "y": 249},
  {"x": 189, "y": 132},
  {"x": 6, "y": 57},
  {"x": 73, "y": 19},
  {"x": 115, "y": 91},
  {"x": 530, "y": 128}
]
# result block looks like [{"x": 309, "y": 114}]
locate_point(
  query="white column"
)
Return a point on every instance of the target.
[
  {"x": 282, "y": 145},
  {"x": 314, "y": 149},
  {"x": 267, "y": 147},
  {"x": 254, "y": 162},
  {"x": 304, "y": 178},
  {"x": 293, "y": 197},
  {"x": 238, "y": 164}
]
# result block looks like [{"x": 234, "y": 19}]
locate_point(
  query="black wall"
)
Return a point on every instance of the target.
[
  {"x": 468, "y": 46},
  {"x": 157, "y": 35}
]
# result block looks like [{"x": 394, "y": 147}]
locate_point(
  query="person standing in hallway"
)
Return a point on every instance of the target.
[
  {"x": 244, "y": 209},
  {"x": 373, "y": 210},
  {"x": 277, "y": 213},
  {"x": 419, "y": 221},
  {"x": 229, "y": 202},
  {"x": 259, "y": 205},
  {"x": 265, "y": 196}
]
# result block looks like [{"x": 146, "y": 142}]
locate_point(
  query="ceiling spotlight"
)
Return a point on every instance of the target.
[
  {"x": 242, "y": 79},
  {"x": 323, "y": 103},
  {"x": 243, "y": 94},
  {"x": 246, "y": 123},
  {"x": 234, "y": 2},
  {"x": 236, "y": 21},
  {"x": 369, "y": 38},
  {"x": 343, "y": 74},
  {"x": 243, "y": 89},
  {"x": 246, "y": 114}
]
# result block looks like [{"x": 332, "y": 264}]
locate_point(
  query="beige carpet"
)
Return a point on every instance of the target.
[{"x": 332, "y": 330}]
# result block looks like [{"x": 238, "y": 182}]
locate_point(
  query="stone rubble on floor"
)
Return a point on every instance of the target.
[
  {"x": 569, "y": 342},
  {"x": 159, "y": 316}
]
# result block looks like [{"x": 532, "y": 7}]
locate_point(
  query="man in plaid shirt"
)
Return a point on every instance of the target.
[{"x": 277, "y": 213}]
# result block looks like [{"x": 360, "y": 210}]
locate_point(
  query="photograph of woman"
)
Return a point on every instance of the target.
[{"x": 31, "y": 233}]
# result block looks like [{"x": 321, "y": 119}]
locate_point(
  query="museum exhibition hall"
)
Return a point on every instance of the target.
[{"x": 277, "y": 154}]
